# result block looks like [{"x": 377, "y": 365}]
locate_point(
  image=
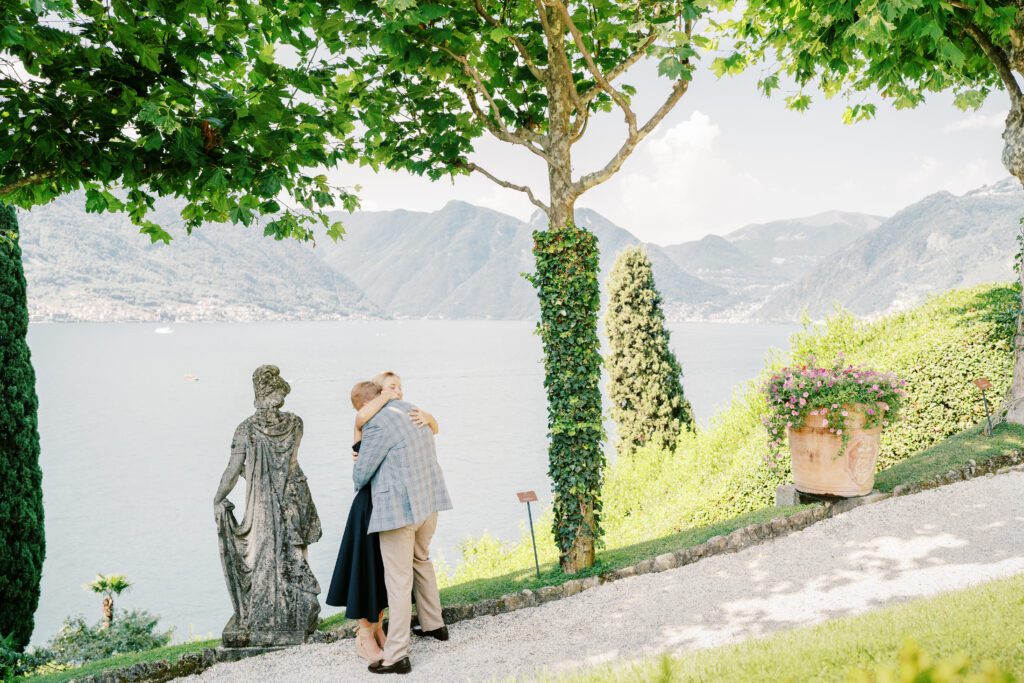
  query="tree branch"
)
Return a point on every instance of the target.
[
  {"x": 545, "y": 24},
  {"x": 623, "y": 66},
  {"x": 596, "y": 178},
  {"x": 594, "y": 71},
  {"x": 504, "y": 183},
  {"x": 998, "y": 58},
  {"x": 579, "y": 126},
  {"x": 555, "y": 43},
  {"x": 530, "y": 64},
  {"x": 30, "y": 179},
  {"x": 520, "y": 136},
  {"x": 496, "y": 126}
]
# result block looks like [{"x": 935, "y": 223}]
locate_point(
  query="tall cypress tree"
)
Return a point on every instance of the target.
[
  {"x": 645, "y": 386},
  {"x": 22, "y": 543}
]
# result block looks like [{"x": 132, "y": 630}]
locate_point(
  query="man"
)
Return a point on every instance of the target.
[{"x": 399, "y": 460}]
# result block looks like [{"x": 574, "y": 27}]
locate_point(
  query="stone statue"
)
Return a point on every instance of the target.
[{"x": 273, "y": 591}]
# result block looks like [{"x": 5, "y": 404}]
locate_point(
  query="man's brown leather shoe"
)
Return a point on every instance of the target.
[
  {"x": 439, "y": 633},
  {"x": 402, "y": 666}
]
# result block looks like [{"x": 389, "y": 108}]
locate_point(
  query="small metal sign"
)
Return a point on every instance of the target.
[
  {"x": 531, "y": 497},
  {"x": 983, "y": 383}
]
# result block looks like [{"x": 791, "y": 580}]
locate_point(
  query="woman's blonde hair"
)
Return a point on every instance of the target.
[{"x": 383, "y": 377}]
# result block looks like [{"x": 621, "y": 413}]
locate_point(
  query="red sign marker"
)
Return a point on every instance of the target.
[{"x": 527, "y": 497}]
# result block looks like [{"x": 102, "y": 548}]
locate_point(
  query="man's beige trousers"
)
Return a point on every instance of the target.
[{"x": 407, "y": 568}]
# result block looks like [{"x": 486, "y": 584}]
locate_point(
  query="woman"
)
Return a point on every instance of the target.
[{"x": 358, "y": 582}]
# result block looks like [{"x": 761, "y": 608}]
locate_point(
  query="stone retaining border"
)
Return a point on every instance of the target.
[
  {"x": 1000, "y": 464},
  {"x": 159, "y": 671},
  {"x": 744, "y": 537}
]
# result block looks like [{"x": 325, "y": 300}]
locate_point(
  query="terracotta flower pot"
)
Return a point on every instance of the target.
[{"x": 818, "y": 465}]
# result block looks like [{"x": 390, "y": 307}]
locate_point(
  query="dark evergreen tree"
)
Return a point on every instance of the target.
[
  {"x": 22, "y": 542},
  {"x": 645, "y": 386}
]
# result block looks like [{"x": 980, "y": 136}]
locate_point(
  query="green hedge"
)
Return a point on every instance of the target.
[{"x": 719, "y": 472}]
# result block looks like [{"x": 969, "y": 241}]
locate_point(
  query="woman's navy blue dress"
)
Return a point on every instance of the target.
[{"x": 358, "y": 581}]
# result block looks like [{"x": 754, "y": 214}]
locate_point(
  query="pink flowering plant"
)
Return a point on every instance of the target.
[{"x": 797, "y": 392}]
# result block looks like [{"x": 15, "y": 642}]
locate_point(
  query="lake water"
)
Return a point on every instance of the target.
[{"x": 132, "y": 451}]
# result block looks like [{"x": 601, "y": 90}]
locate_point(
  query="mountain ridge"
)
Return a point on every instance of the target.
[{"x": 465, "y": 262}]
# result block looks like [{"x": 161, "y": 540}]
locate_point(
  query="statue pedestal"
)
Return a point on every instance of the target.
[{"x": 234, "y": 638}]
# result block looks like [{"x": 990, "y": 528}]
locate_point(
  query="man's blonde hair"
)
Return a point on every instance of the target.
[
  {"x": 363, "y": 393},
  {"x": 383, "y": 377}
]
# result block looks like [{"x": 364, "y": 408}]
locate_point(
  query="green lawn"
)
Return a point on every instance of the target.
[
  {"x": 952, "y": 453},
  {"x": 983, "y": 622},
  {"x": 164, "y": 653}
]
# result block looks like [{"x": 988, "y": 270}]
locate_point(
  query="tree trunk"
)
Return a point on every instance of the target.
[
  {"x": 570, "y": 299},
  {"x": 108, "y": 611},
  {"x": 1013, "y": 160},
  {"x": 22, "y": 543},
  {"x": 559, "y": 139}
]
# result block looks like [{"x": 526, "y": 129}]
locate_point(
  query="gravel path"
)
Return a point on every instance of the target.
[{"x": 906, "y": 547}]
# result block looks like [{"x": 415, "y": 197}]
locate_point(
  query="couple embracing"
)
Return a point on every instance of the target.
[{"x": 384, "y": 558}]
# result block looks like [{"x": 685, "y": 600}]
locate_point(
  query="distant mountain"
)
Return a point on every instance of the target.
[
  {"x": 755, "y": 260},
  {"x": 939, "y": 243},
  {"x": 681, "y": 289},
  {"x": 96, "y": 267},
  {"x": 794, "y": 244},
  {"x": 465, "y": 261}
]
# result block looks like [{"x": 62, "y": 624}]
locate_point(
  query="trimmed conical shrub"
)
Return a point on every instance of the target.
[
  {"x": 645, "y": 379},
  {"x": 22, "y": 543}
]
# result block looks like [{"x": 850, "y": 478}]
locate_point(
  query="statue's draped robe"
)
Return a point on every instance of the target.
[{"x": 272, "y": 588}]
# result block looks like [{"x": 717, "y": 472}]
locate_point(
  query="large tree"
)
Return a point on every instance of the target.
[
  {"x": 22, "y": 546},
  {"x": 432, "y": 77},
  {"x": 899, "y": 50},
  {"x": 219, "y": 103}
]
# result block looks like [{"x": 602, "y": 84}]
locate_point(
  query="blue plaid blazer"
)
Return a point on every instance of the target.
[{"x": 398, "y": 460}]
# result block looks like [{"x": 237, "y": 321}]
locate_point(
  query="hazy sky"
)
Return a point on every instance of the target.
[{"x": 726, "y": 157}]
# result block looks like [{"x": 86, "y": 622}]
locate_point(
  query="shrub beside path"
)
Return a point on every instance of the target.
[{"x": 900, "y": 548}]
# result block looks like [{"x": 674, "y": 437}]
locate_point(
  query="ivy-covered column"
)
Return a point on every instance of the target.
[
  {"x": 22, "y": 544},
  {"x": 570, "y": 299}
]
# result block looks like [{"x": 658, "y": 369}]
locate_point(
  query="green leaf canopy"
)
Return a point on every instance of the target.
[
  {"x": 900, "y": 49},
  {"x": 218, "y": 102}
]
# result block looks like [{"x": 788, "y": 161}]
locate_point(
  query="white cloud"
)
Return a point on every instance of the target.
[
  {"x": 678, "y": 187},
  {"x": 977, "y": 121}
]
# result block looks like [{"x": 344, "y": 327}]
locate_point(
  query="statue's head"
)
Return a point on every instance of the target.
[{"x": 269, "y": 386}]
